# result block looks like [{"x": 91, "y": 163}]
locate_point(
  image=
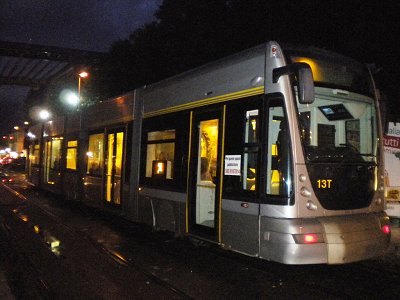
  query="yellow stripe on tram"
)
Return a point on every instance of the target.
[{"x": 207, "y": 101}]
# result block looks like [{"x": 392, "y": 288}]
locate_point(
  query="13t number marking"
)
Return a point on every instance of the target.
[{"x": 324, "y": 183}]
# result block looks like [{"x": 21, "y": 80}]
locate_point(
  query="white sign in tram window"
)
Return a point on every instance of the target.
[{"x": 232, "y": 165}]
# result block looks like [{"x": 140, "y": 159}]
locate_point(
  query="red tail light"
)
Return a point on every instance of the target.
[
  {"x": 308, "y": 238},
  {"x": 386, "y": 229}
]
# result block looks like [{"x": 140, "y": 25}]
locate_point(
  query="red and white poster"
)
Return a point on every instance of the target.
[{"x": 392, "y": 169}]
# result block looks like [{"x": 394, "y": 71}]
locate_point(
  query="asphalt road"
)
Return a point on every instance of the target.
[{"x": 101, "y": 256}]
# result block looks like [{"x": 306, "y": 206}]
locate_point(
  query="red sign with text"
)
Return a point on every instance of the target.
[{"x": 391, "y": 141}]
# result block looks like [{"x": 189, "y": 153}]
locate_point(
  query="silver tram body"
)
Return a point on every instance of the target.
[{"x": 199, "y": 154}]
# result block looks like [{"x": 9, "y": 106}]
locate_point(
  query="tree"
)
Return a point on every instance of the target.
[{"x": 187, "y": 34}]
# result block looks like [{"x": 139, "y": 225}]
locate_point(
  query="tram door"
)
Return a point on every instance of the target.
[
  {"x": 115, "y": 144},
  {"x": 205, "y": 175}
]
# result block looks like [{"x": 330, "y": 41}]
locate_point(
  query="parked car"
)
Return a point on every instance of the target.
[
  {"x": 15, "y": 165},
  {"x": 5, "y": 178},
  {"x": 5, "y": 160}
]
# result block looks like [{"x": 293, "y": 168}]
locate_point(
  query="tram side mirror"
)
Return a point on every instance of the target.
[
  {"x": 305, "y": 83},
  {"x": 303, "y": 73}
]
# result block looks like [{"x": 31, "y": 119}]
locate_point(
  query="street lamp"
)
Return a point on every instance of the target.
[
  {"x": 81, "y": 75},
  {"x": 81, "y": 136}
]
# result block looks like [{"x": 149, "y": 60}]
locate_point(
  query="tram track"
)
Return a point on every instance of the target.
[
  {"x": 113, "y": 255},
  {"x": 365, "y": 268},
  {"x": 38, "y": 288},
  {"x": 243, "y": 262},
  {"x": 277, "y": 270},
  {"x": 231, "y": 258},
  {"x": 129, "y": 264},
  {"x": 305, "y": 277}
]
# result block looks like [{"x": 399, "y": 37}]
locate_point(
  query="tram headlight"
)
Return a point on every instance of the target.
[
  {"x": 311, "y": 205},
  {"x": 305, "y": 192},
  {"x": 302, "y": 178}
]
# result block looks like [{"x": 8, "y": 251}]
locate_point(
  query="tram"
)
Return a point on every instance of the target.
[{"x": 274, "y": 152}]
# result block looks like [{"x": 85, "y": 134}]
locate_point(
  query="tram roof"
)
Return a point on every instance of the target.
[{"x": 226, "y": 75}]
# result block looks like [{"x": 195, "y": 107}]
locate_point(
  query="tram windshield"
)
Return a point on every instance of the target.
[
  {"x": 339, "y": 133},
  {"x": 338, "y": 127},
  {"x": 336, "y": 71}
]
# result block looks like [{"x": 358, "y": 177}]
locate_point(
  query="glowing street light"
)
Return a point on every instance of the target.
[
  {"x": 44, "y": 114},
  {"x": 72, "y": 99},
  {"x": 83, "y": 74}
]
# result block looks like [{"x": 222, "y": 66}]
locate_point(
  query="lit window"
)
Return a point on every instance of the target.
[
  {"x": 278, "y": 179},
  {"x": 160, "y": 154},
  {"x": 250, "y": 150},
  {"x": 55, "y": 154},
  {"x": 95, "y": 159},
  {"x": 34, "y": 155},
  {"x": 72, "y": 152}
]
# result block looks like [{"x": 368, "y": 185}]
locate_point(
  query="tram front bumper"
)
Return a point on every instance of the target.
[
  {"x": 345, "y": 239},
  {"x": 355, "y": 237}
]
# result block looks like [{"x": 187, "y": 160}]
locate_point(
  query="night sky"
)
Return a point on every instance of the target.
[{"x": 80, "y": 24}]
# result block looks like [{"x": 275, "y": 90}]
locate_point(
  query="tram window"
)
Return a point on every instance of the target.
[
  {"x": 160, "y": 154},
  {"x": 72, "y": 152},
  {"x": 95, "y": 154},
  {"x": 242, "y": 141},
  {"x": 250, "y": 169},
  {"x": 128, "y": 154},
  {"x": 251, "y": 126},
  {"x": 34, "y": 157},
  {"x": 55, "y": 154},
  {"x": 353, "y": 134},
  {"x": 164, "y": 151},
  {"x": 250, "y": 152},
  {"x": 326, "y": 135},
  {"x": 305, "y": 122},
  {"x": 278, "y": 179}
]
